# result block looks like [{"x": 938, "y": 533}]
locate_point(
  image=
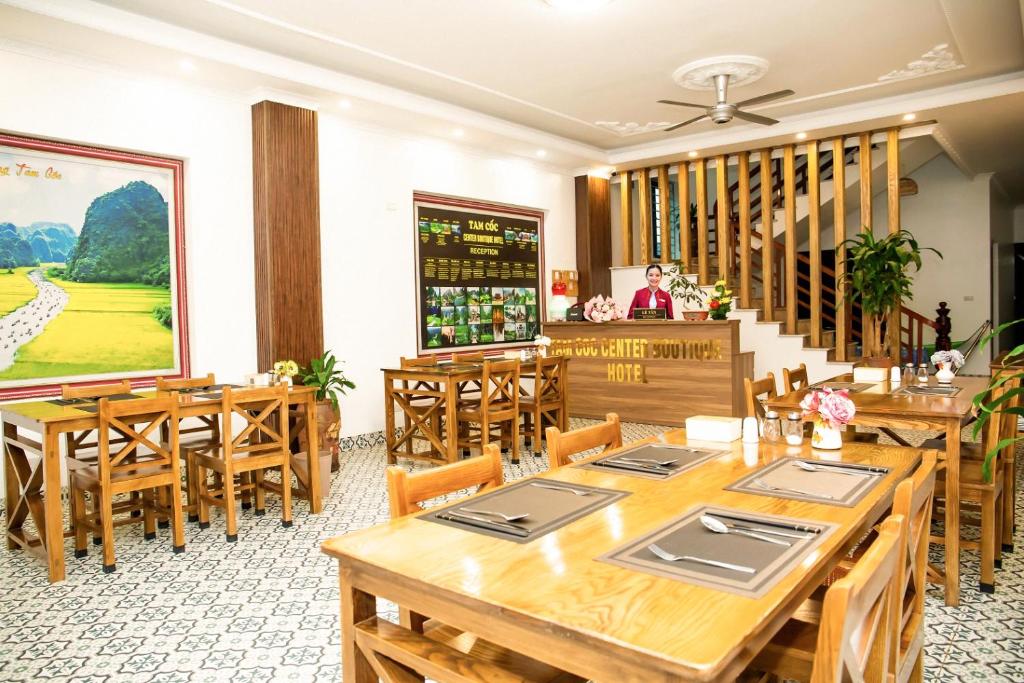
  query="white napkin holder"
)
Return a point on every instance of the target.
[
  {"x": 869, "y": 374},
  {"x": 713, "y": 428}
]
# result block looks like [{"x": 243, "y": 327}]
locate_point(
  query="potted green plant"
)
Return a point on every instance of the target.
[
  {"x": 879, "y": 277},
  {"x": 684, "y": 289},
  {"x": 326, "y": 375},
  {"x": 1011, "y": 368}
]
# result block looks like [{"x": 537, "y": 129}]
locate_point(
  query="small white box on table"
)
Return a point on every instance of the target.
[{"x": 713, "y": 428}]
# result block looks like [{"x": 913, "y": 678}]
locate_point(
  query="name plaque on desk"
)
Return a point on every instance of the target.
[{"x": 650, "y": 314}]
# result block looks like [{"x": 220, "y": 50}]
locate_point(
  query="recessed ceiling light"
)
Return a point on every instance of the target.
[
  {"x": 458, "y": 132},
  {"x": 187, "y": 65},
  {"x": 801, "y": 136},
  {"x": 576, "y": 5},
  {"x": 909, "y": 117},
  {"x": 542, "y": 153},
  {"x": 345, "y": 104},
  {"x": 692, "y": 155}
]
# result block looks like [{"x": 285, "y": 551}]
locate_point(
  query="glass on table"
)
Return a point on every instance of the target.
[
  {"x": 771, "y": 427},
  {"x": 794, "y": 429}
]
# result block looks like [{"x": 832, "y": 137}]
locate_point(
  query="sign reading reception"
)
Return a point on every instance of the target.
[
  {"x": 478, "y": 271},
  {"x": 91, "y": 272}
]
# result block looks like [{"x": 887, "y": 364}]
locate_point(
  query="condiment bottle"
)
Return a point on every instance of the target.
[
  {"x": 908, "y": 374},
  {"x": 771, "y": 427},
  {"x": 794, "y": 429},
  {"x": 922, "y": 373}
]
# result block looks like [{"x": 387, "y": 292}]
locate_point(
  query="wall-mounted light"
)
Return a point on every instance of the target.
[
  {"x": 909, "y": 117},
  {"x": 801, "y": 136},
  {"x": 692, "y": 155}
]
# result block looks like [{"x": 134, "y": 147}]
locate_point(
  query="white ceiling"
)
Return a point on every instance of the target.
[{"x": 517, "y": 74}]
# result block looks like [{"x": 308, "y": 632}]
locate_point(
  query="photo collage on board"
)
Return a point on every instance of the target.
[{"x": 463, "y": 316}]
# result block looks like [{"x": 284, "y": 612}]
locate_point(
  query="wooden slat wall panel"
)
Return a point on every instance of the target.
[
  {"x": 814, "y": 237},
  {"x": 865, "y": 182},
  {"x": 645, "y": 216},
  {"x": 685, "y": 236},
  {"x": 892, "y": 159},
  {"x": 664, "y": 189},
  {"x": 789, "y": 184},
  {"x": 839, "y": 221},
  {"x": 703, "y": 265},
  {"x": 626, "y": 216},
  {"x": 286, "y": 226},
  {"x": 767, "y": 236},
  {"x": 723, "y": 231},
  {"x": 593, "y": 236},
  {"x": 744, "y": 199}
]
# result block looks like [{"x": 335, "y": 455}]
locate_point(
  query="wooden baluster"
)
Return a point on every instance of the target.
[
  {"x": 683, "y": 184},
  {"x": 839, "y": 221},
  {"x": 789, "y": 183},
  {"x": 814, "y": 241},
  {"x": 943, "y": 326},
  {"x": 865, "y": 182},
  {"x": 767, "y": 236},
  {"x": 645, "y": 216},
  {"x": 664, "y": 189},
  {"x": 892, "y": 166},
  {"x": 626, "y": 216},
  {"x": 703, "y": 265},
  {"x": 744, "y": 180},
  {"x": 723, "y": 232}
]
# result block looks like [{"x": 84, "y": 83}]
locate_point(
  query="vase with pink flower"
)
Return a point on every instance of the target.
[
  {"x": 831, "y": 411},
  {"x": 947, "y": 363},
  {"x": 602, "y": 310}
]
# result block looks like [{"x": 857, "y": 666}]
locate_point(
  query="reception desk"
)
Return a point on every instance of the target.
[{"x": 655, "y": 371}]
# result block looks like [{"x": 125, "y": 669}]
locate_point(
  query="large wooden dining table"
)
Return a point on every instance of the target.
[
  {"x": 32, "y": 468},
  {"x": 552, "y": 600},
  {"x": 878, "y": 406}
]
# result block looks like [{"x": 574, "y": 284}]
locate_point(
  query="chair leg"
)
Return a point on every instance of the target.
[
  {"x": 261, "y": 493},
  {"x": 106, "y": 503},
  {"x": 513, "y": 431},
  {"x": 78, "y": 512},
  {"x": 1006, "y": 540},
  {"x": 97, "y": 539},
  {"x": 190, "y": 489},
  {"x": 997, "y": 518},
  {"x": 148, "y": 500},
  {"x": 230, "y": 514},
  {"x": 177, "y": 521},
  {"x": 286, "y": 493},
  {"x": 538, "y": 431},
  {"x": 917, "y": 673},
  {"x": 988, "y": 542},
  {"x": 202, "y": 496}
]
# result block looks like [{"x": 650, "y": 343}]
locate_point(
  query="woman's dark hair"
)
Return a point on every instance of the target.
[{"x": 654, "y": 265}]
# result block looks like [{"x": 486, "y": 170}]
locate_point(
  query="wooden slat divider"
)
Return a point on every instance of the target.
[
  {"x": 645, "y": 216},
  {"x": 865, "y": 182},
  {"x": 703, "y": 266},
  {"x": 744, "y": 200},
  {"x": 814, "y": 237},
  {"x": 842, "y": 306},
  {"x": 626, "y": 216},
  {"x": 683, "y": 185},
  {"x": 892, "y": 173},
  {"x": 767, "y": 236},
  {"x": 789, "y": 185},
  {"x": 664, "y": 189},
  {"x": 723, "y": 231}
]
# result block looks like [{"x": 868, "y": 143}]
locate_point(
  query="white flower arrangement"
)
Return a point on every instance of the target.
[
  {"x": 953, "y": 358},
  {"x": 541, "y": 340}
]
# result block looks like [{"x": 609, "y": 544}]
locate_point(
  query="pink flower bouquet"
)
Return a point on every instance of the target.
[
  {"x": 828, "y": 408},
  {"x": 601, "y": 310}
]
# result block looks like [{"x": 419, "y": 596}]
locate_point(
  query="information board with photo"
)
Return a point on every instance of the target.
[{"x": 478, "y": 269}]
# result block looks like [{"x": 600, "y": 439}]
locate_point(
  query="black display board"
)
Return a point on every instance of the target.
[{"x": 478, "y": 274}]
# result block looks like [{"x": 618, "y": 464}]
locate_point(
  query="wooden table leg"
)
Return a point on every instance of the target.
[
  {"x": 953, "y": 512},
  {"x": 53, "y": 510},
  {"x": 451, "y": 401},
  {"x": 356, "y": 606},
  {"x": 389, "y": 421},
  {"x": 316, "y": 501},
  {"x": 13, "y": 492}
]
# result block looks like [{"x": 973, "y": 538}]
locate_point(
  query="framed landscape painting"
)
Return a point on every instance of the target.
[{"x": 92, "y": 280}]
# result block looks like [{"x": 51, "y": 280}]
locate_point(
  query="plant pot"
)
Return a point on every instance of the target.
[
  {"x": 300, "y": 465},
  {"x": 825, "y": 437},
  {"x": 695, "y": 315},
  {"x": 328, "y": 429}
]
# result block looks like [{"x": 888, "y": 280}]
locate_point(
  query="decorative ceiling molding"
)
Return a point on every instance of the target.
[
  {"x": 937, "y": 60},
  {"x": 632, "y": 127},
  {"x": 700, "y": 74}
]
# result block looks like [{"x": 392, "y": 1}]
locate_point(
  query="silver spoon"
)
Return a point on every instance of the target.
[
  {"x": 507, "y": 518},
  {"x": 719, "y": 527},
  {"x": 810, "y": 467}
]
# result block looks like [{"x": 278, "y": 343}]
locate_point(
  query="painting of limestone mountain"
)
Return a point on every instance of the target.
[{"x": 87, "y": 268}]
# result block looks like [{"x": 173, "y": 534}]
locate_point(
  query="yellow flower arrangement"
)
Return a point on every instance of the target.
[
  {"x": 720, "y": 302},
  {"x": 286, "y": 368}
]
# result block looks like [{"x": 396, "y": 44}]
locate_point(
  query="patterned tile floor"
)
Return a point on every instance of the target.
[{"x": 265, "y": 608}]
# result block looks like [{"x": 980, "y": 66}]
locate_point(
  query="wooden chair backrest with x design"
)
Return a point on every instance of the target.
[
  {"x": 83, "y": 444},
  {"x": 134, "y": 460},
  {"x": 547, "y": 403},
  {"x": 563, "y": 445},
  {"x": 754, "y": 389},
  {"x": 794, "y": 379},
  {"x": 498, "y": 403},
  {"x": 261, "y": 444},
  {"x": 406, "y": 491}
]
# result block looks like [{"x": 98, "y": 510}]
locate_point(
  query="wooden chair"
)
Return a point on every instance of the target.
[
  {"x": 794, "y": 379},
  {"x": 499, "y": 403},
  {"x": 562, "y": 446},
  {"x": 852, "y": 642},
  {"x": 422, "y": 404},
  {"x": 262, "y": 444},
  {"x": 128, "y": 468},
  {"x": 753, "y": 389},
  {"x": 547, "y": 402},
  {"x": 428, "y": 646}
]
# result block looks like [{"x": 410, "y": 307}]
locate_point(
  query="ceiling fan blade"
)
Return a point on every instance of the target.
[
  {"x": 685, "y": 123},
  {"x": 778, "y": 94},
  {"x": 683, "y": 104},
  {"x": 763, "y": 120}
]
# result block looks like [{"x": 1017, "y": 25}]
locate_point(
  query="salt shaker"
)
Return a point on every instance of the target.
[
  {"x": 794, "y": 429},
  {"x": 908, "y": 374},
  {"x": 894, "y": 375},
  {"x": 771, "y": 428},
  {"x": 750, "y": 430},
  {"x": 922, "y": 373}
]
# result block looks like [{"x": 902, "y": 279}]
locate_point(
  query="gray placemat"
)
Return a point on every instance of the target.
[
  {"x": 94, "y": 406},
  {"x": 846, "y": 490},
  {"x": 71, "y": 401},
  {"x": 688, "y": 536},
  {"x": 686, "y": 457},
  {"x": 208, "y": 388},
  {"x": 852, "y": 387},
  {"x": 927, "y": 391},
  {"x": 548, "y": 509}
]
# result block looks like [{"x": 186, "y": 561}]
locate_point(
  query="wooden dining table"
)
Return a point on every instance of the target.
[
  {"x": 552, "y": 600},
  {"x": 879, "y": 406},
  {"x": 32, "y": 467}
]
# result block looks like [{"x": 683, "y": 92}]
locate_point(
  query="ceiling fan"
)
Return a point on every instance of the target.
[{"x": 723, "y": 112}]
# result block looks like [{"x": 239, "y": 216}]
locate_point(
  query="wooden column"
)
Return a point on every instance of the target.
[
  {"x": 645, "y": 216},
  {"x": 723, "y": 231},
  {"x": 789, "y": 185},
  {"x": 703, "y": 266},
  {"x": 626, "y": 216},
  {"x": 839, "y": 222},
  {"x": 685, "y": 236},
  {"x": 865, "y": 182},
  {"x": 744, "y": 181},
  {"x": 664, "y": 190},
  {"x": 814, "y": 237},
  {"x": 286, "y": 225},
  {"x": 892, "y": 175},
  {"x": 593, "y": 236},
  {"x": 767, "y": 236}
]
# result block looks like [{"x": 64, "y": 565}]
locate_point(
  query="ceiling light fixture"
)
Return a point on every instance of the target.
[
  {"x": 187, "y": 65},
  {"x": 542, "y": 153},
  {"x": 801, "y": 136},
  {"x": 577, "y": 5},
  {"x": 692, "y": 155},
  {"x": 458, "y": 132},
  {"x": 909, "y": 117},
  {"x": 345, "y": 104}
]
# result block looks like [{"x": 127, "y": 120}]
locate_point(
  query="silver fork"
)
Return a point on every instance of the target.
[
  {"x": 507, "y": 518},
  {"x": 663, "y": 463},
  {"x": 799, "y": 492},
  {"x": 670, "y": 557},
  {"x": 542, "y": 485}
]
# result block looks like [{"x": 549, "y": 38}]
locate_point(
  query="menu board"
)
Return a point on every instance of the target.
[{"x": 478, "y": 272}]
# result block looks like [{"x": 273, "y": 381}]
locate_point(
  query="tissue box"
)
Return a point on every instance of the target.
[
  {"x": 869, "y": 374},
  {"x": 713, "y": 428}
]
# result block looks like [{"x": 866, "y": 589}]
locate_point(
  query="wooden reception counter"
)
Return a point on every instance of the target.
[{"x": 654, "y": 371}]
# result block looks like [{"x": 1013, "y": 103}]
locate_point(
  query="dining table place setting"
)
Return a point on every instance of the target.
[
  {"x": 852, "y": 387},
  {"x": 526, "y": 510},
  {"x": 819, "y": 481},
  {"x": 925, "y": 390},
  {"x": 653, "y": 460}
]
